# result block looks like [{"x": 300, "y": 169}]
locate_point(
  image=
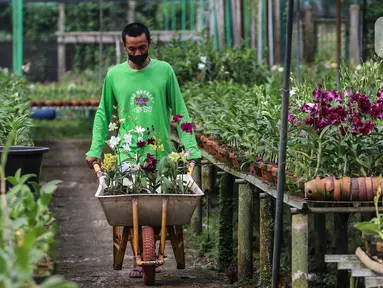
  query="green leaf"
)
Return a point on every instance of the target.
[{"x": 368, "y": 228}]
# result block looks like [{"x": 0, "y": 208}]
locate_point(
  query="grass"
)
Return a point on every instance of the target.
[{"x": 61, "y": 129}]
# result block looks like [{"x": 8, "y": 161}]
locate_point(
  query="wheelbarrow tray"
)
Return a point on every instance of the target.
[{"x": 180, "y": 207}]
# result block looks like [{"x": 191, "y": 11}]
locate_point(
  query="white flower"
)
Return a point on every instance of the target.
[
  {"x": 274, "y": 68},
  {"x": 327, "y": 65},
  {"x": 280, "y": 69},
  {"x": 127, "y": 148},
  {"x": 26, "y": 68},
  {"x": 203, "y": 59},
  {"x": 201, "y": 66},
  {"x": 71, "y": 86},
  {"x": 32, "y": 86},
  {"x": 113, "y": 142},
  {"x": 359, "y": 67},
  {"x": 128, "y": 138},
  {"x": 293, "y": 92},
  {"x": 113, "y": 126},
  {"x": 140, "y": 130},
  {"x": 5, "y": 70}
]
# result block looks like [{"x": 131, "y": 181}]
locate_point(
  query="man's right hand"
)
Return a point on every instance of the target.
[{"x": 91, "y": 161}]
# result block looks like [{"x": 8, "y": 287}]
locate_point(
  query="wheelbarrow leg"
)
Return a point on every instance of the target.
[
  {"x": 176, "y": 237},
  {"x": 119, "y": 246}
]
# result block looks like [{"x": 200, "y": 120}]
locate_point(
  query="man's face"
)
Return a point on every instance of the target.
[{"x": 136, "y": 45}]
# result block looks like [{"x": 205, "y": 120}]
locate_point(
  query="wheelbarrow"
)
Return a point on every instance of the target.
[{"x": 143, "y": 219}]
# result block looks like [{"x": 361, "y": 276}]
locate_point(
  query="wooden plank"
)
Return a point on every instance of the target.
[
  {"x": 336, "y": 258},
  {"x": 293, "y": 201},
  {"x": 351, "y": 265},
  {"x": 364, "y": 273},
  {"x": 370, "y": 282},
  {"x": 109, "y": 37}
]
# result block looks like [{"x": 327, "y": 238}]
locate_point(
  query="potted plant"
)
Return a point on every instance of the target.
[
  {"x": 335, "y": 139},
  {"x": 372, "y": 234},
  {"x": 142, "y": 173},
  {"x": 15, "y": 119}
]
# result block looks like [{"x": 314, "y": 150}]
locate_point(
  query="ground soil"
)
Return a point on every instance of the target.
[{"x": 84, "y": 237}]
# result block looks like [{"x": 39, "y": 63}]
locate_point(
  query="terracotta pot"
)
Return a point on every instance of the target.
[
  {"x": 274, "y": 174},
  {"x": 362, "y": 189},
  {"x": 233, "y": 159},
  {"x": 57, "y": 103},
  {"x": 370, "y": 192},
  {"x": 252, "y": 169},
  {"x": 337, "y": 189},
  {"x": 346, "y": 189},
  {"x": 48, "y": 103},
  {"x": 354, "y": 189},
  {"x": 74, "y": 103},
  {"x": 319, "y": 189}
]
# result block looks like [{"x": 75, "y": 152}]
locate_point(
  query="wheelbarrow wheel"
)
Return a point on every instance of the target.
[{"x": 148, "y": 254}]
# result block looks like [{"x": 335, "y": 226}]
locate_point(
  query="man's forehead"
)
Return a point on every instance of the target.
[{"x": 136, "y": 41}]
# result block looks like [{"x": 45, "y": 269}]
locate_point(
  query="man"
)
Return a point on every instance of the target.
[{"x": 143, "y": 90}]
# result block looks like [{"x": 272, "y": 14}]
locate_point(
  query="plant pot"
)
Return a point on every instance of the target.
[
  {"x": 233, "y": 160},
  {"x": 373, "y": 245},
  {"x": 342, "y": 189},
  {"x": 320, "y": 189},
  {"x": 43, "y": 113},
  {"x": 94, "y": 102},
  {"x": 274, "y": 174},
  {"x": 29, "y": 159}
]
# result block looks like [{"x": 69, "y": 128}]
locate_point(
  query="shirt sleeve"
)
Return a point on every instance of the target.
[
  {"x": 177, "y": 104},
  {"x": 102, "y": 119}
]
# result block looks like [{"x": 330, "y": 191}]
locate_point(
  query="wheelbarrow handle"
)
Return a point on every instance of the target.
[
  {"x": 97, "y": 169},
  {"x": 191, "y": 168}
]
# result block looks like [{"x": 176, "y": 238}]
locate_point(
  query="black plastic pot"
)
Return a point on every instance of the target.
[{"x": 28, "y": 158}]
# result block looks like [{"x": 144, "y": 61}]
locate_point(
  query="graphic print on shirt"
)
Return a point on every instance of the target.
[{"x": 142, "y": 100}]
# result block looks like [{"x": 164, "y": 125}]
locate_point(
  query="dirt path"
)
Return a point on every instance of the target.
[{"x": 85, "y": 237}]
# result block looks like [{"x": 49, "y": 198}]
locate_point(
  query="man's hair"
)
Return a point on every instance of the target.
[{"x": 135, "y": 30}]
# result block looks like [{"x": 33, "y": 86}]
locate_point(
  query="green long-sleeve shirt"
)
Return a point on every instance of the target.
[{"x": 143, "y": 98}]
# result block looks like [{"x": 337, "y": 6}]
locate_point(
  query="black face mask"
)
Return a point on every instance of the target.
[{"x": 138, "y": 59}]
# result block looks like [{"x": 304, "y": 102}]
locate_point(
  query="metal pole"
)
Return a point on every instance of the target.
[
  {"x": 282, "y": 148},
  {"x": 17, "y": 37},
  {"x": 246, "y": 22},
  {"x": 260, "y": 32},
  {"x": 298, "y": 42},
  {"x": 174, "y": 16},
  {"x": 216, "y": 38},
  {"x": 192, "y": 16},
  {"x": 228, "y": 23},
  {"x": 270, "y": 21},
  {"x": 338, "y": 41},
  {"x": 183, "y": 16},
  {"x": 166, "y": 15},
  {"x": 100, "y": 43},
  {"x": 202, "y": 11}
]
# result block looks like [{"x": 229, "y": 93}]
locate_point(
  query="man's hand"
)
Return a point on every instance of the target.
[{"x": 91, "y": 161}]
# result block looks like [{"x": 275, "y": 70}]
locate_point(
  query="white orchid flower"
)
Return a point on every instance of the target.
[
  {"x": 293, "y": 92},
  {"x": 114, "y": 141},
  {"x": 140, "y": 130},
  {"x": 128, "y": 138},
  {"x": 201, "y": 66},
  {"x": 203, "y": 59},
  {"x": 113, "y": 126},
  {"x": 127, "y": 148}
]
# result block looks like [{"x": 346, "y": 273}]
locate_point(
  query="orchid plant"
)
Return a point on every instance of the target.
[
  {"x": 143, "y": 173},
  {"x": 337, "y": 133}
]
